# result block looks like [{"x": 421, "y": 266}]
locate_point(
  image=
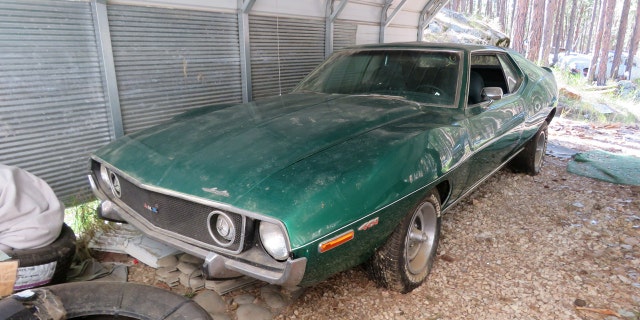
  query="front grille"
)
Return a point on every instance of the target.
[{"x": 177, "y": 215}]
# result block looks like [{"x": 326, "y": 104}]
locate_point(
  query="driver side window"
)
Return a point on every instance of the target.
[{"x": 491, "y": 70}]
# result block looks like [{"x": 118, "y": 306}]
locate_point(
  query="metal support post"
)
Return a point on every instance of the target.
[
  {"x": 426, "y": 15},
  {"x": 330, "y": 19},
  {"x": 244, "y": 7},
  {"x": 386, "y": 20},
  {"x": 103, "y": 39}
]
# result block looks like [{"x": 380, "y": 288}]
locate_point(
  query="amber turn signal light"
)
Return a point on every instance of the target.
[{"x": 339, "y": 240}]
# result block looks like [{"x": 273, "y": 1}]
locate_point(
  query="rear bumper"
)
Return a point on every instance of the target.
[{"x": 253, "y": 262}]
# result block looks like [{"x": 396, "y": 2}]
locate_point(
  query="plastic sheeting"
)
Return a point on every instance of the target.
[
  {"x": 606, "y": 166},
  {"x": 31, "y": 216}
]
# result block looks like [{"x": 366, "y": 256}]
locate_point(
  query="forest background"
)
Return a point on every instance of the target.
[{"x": 540, "y": 29}]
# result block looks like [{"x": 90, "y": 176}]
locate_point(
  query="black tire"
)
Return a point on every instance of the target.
[
  {"x": 122, "y": 300},
  {"x": 46, "y": 265},
  {"x": 405, "y": 260},
  {"x": 530, "y": 160}
]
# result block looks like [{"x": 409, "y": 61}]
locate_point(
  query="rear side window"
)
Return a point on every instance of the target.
[{"x": 511, "y": 74}]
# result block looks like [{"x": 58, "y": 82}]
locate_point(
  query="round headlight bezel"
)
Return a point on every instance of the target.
[
  {"x": 274, "y": 240},
  {"x": 222, "y": 228}
]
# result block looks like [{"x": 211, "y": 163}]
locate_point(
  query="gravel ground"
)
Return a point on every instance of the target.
[
  {"x": 519, "y": 248},
  {"x": 553, "y": 246}
]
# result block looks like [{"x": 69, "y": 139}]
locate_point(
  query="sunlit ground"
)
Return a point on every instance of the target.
[{"x": 592, "y": 117}]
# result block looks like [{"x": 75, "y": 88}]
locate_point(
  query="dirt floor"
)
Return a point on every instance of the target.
[{"x": 553, "y": 246}]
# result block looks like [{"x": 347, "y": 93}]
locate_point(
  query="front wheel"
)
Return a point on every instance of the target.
[{"x": 405, "y": 260}]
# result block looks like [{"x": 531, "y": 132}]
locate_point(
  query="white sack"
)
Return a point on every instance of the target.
[{"x": 31, "y": 216}]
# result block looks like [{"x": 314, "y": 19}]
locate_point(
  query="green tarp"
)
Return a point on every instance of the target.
[{"x": 606, "y": 166}]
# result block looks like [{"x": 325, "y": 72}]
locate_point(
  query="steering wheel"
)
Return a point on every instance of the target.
[{"x": 431, "y": 89}]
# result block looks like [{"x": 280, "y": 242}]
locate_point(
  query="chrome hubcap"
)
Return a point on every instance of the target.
[
  {"x": 541, "y": 146},
  {"x": 419, "y": 244}
]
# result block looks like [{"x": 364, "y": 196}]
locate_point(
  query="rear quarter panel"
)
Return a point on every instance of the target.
[{"x": 539, "y": 92}]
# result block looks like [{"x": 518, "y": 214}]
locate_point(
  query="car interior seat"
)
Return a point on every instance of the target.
[{"x": 476, "y": 84}]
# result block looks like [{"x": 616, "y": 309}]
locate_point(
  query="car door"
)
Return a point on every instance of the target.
[{"x": 494, "y": 126}]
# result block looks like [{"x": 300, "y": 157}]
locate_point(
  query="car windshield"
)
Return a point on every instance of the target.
[{"x": 422, "y": 76}]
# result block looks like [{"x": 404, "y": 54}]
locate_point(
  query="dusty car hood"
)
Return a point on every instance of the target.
[{"x": 223, "y": 153}]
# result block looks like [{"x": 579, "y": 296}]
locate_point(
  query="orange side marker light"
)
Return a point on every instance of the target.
[{"x": 339, "y": 240}]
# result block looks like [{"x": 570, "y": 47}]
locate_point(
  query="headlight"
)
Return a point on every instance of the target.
[
  {"x": 104, "y": 174},
  {"x": 274, "y": 240},
  {"x": 111, "y": 180},
  {"x": 222, "y": 228}
]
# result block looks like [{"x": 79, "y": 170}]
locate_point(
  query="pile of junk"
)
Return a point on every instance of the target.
[{"x": 36, "y": 253}]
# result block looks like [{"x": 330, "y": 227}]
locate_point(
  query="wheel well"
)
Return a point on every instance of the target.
[
  {"x": 444, "y": 189},
  {"x": 551, "y": 115}
]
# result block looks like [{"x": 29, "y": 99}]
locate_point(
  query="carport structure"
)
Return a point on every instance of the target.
[{"x": 74, "y": 75}]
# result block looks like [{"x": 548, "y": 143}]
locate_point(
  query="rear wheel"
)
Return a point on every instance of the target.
[
  {"x": 531, "y": 158},
  {"x": 405, "y": 260}
]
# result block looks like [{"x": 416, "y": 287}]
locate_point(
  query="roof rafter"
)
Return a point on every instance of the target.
[{"x": 385, "y": 19}]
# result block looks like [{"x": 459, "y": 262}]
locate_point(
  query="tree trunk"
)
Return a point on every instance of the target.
[
  {"x": 558, "y": 32},
  {"x": 502, "y": 13},
  {"x": 547, "y": 39},
  {"x": 488, "y": 10},
  {"x": 572, "y": 25},
  {"x": 519, "y": 28},
  {"x": 454, "y": 5},
  {"x": 603, "y": 57},
  {"x": 622, "y": 33},
  {"x": 598, "y": 40},
  {"x": 499, "y": 13},
  {"x": 594, "y": 14},
  {"x": 535, "y": 33},
  {"x": 635, "y": 40},
  {"x": 513, "y": 15},
  {"x": 577, "y": 35}
]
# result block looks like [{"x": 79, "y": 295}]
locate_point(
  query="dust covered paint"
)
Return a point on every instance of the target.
[{"x": 363, "y": 140}]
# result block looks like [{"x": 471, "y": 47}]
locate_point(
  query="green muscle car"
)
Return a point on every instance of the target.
[{"x": 356, "y": 165}]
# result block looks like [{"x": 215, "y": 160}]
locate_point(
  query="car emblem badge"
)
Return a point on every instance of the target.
[
  {"x": 369, "y": 224},
  {"x": 151, "y": 208},
  {"x": 215, "y": 191},
  {"x": 115, "y": 184}
]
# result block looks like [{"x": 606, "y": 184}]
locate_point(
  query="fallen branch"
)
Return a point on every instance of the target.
[{"x": 607, "y": 312}]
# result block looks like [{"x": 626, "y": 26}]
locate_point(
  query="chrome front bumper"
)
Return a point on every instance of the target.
[{"x": 253, "y": 262}]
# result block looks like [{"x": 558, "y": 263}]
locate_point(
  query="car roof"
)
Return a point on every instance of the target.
[{"x": 428, "y": 45}]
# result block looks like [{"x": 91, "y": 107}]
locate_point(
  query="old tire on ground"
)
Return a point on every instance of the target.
[
  {"x": 531, "y": 158},
  {"x": 122, "y": 300},
  {"x": 405, "y": 260},
  {"x": 46, "y": 265}
]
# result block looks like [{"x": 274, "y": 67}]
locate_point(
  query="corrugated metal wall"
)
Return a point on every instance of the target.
[
  {"x": 52, "y": 106},
  {"x": 344, "y": 35},
  {"x": 168, "y": 61},
  {"x": 283, "y": 51}
]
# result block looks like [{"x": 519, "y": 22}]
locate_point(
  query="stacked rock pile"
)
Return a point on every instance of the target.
[{"x": 184, "y": 269}]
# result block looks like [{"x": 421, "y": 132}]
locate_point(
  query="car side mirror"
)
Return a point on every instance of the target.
[{"x": 493, "y": 93}]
